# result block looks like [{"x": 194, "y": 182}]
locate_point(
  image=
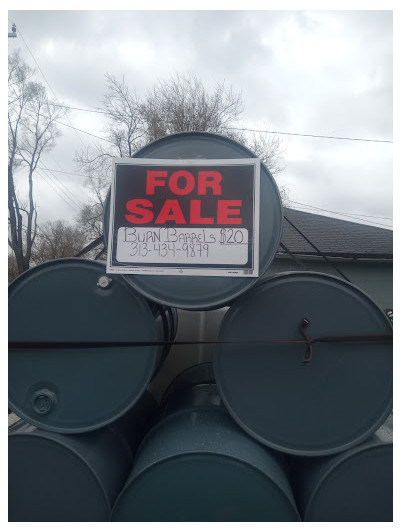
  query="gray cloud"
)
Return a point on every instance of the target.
[{"x": 327, "y": 72}]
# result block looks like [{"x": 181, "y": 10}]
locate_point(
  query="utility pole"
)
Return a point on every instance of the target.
[{"x": 13, "y": 31}]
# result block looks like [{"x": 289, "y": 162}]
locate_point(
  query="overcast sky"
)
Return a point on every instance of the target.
[{"x": 325, "y": 73}]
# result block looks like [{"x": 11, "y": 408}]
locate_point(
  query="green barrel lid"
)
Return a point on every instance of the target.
[
  {"x": 324, "y": 406},
  {"x": 78, "y": 389}
]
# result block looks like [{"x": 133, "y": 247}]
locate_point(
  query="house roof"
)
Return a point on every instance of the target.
[{"x": 333, "y": 237}]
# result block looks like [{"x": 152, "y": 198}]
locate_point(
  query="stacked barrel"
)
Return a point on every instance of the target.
[
  {"x": 286, "y": 424},
  {"x": 90, "y": 405}
]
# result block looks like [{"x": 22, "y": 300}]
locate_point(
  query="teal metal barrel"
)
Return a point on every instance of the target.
[
  {"x": 196, "y": 465},
  {"x": 59, "y": 477},
  {"x": 78, "y": 389},
  {"x": 353, "y": 486},
  {"x": 199, "y": 292},
  {"x": 73, "y": 477},
  {"x": 289, "y": 390}
]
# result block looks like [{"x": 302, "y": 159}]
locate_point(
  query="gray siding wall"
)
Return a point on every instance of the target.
[{"x": 375, "y": 278}]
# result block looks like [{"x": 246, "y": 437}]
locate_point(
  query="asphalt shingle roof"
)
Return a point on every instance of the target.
[{"x": 334, "y": 237}]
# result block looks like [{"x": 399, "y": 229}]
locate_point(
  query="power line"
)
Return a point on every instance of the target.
[
  {"x": 61, "y": 171},
  {"x": 255, "y": 130},
  {"x": 64, "y": 198},
  {"x": 59, "y": 192},
  {"x": 306, "y": 135},
  {"x": 353, "y": 217},
  {"x": 64, "y": 190},
  {"x": 317, "y": 250},
  {"x": 81, "y": 109},
  {"x": 349, "y": 215},
  {"x": 82, "y": 131},
  {"x": 359, "y": 214},
  {"x": 61, "y": 183}
]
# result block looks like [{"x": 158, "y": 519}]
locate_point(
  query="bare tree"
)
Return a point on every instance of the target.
[
  {"x": 182, "y": 103},
  {"x": 56, "y": 240},
  {"x": 178, "y": 104},
  {"x": 12, "y": 268},
  {"x": 90, "y": 220},
  {"x": 124, "y": 134},
  {"x": 32, "y": 131},
  {"x": 126, "y": 127},
  {"x": 268, "y": 148}
]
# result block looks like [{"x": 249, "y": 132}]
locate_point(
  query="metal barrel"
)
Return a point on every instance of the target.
[
  {"x": 73, "y": 477},
  {"x": 195, "y": 464},
  {"x": 300, "y": 398},
  {"x": 79, "y": 389},
  {"x": 60, "y": 477},
  {"x": 356, "y": 485},
  {"x": 198, "y": 292}
]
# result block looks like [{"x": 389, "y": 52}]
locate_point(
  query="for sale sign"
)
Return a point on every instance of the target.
[{"x": 184, "y": 217}]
